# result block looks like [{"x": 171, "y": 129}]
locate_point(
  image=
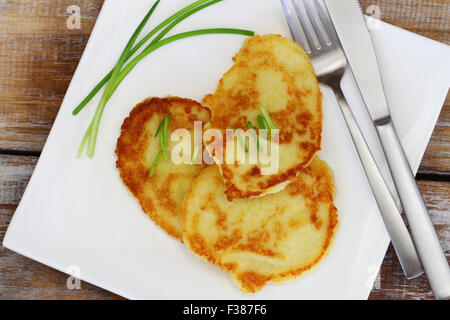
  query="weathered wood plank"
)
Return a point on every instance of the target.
[
  {"x": 391, "y": 283},
  {"x": 23, "y": 278},
  {"x": 430, "y": 18},
  {"x": 39, "y": 54},
  {"x": 437, "y": 156}
]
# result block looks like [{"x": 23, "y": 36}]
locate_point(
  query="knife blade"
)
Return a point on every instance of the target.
[{"x": 351, "y": 27}]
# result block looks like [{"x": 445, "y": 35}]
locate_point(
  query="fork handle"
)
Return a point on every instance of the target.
[
  {"x": 400, "y": 237},
  {"x": 424, "y": 235}
]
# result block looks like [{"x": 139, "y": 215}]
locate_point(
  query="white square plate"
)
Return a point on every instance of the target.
[{"x": 77, "y": 215}]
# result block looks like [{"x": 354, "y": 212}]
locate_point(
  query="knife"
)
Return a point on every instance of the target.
[{"x": 356, "y": 40}]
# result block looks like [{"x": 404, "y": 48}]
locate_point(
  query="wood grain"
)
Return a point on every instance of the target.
[
  {"x": 21, "y": 277},
  {"x": 437, "y": 156},
  {"x": 38, "y": 55},
  {"x": 391, "y": 283},
  {"x": 430, "y": 18}
]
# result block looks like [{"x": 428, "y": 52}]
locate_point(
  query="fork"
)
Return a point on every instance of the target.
[{"x": 311, "y": 28}]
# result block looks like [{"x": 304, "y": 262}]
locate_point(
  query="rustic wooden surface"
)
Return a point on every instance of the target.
[{"x": 38, "y": 55}]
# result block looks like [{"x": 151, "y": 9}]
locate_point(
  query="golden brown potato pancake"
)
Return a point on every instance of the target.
[
  {"x": 162, "y": 195},
  {"x": 274, "y": 238},
  {"x": 273, "y": 72}
]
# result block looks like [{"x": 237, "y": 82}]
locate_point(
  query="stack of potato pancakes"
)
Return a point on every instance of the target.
[{"x": 259, "y": 228}]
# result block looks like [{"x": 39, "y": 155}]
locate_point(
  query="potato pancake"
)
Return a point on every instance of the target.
[
  {"x": 160, "y": 196},
  {"x": 275, "y": 73},
  {"x": 274, "y": 238}
]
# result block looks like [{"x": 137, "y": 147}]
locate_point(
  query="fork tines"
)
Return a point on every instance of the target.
[{"x": 310, "y": 24}]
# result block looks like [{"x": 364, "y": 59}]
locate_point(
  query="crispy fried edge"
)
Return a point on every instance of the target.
[
  {"x": 232, "y": 190},
  {"x": 253, "y": 282},
  {"x": 134, "y": 114}
]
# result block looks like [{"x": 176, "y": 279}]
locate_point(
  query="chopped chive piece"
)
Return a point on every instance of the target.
[
  {"x": 155, "y": 163},
  {"x": 161, "y": 124},
  {"x": 166, "y": 132},
  {"x": 253, "y": 131},
  {"x": 261, "y": 122},
  {"x": 263, "y": 125},
  {"x": 241, "y": 141},
  {"x": 161, "y": 141},
  {"x": 164, "y": 136},
  {"x": 195, "y": 154},
  {"x": 269, "y": 121}
]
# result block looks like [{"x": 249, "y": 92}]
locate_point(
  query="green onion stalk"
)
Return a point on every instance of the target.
[
  {"x": 155, "y": 163},
  {"x": 267, "y": 119},
  {"x": 93, "y": 128},
  {"x": 263, "y": 125},
  {"x": 117, "y": 75},
  {"x": 179, "y": 16}
]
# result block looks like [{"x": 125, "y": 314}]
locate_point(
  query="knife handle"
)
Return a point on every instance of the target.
[
  {"x": 400, "y": 237},
  {"x": 423, "y": 233}
]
